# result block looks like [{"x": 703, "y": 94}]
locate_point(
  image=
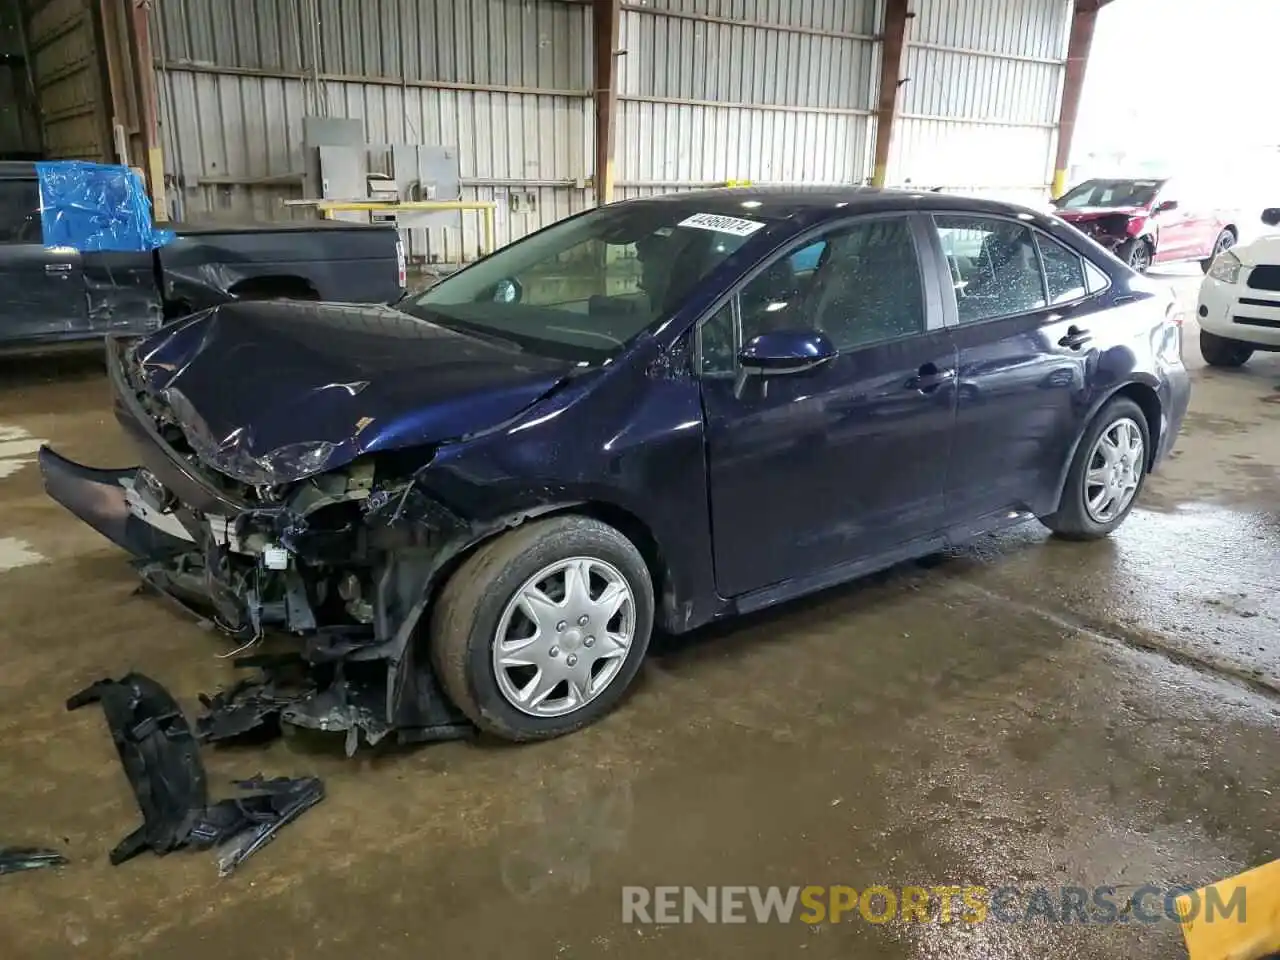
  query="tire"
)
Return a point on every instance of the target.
[
  {"x": 1225, "y": 241},
  {"x": 1137, "y": 254},
  {"x": 472, "y": 606},
  {"x": 1222, "y": 351},
  {"x": 1073, "y": 519}
]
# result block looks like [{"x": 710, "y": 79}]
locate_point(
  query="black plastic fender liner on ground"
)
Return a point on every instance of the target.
[{"x": 161, "y": 758}]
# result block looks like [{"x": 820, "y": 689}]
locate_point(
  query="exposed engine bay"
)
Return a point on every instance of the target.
[{"x": 343, "y": 560}]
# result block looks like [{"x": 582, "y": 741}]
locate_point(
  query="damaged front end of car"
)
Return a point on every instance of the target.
[{"x": 344, "y": 559}]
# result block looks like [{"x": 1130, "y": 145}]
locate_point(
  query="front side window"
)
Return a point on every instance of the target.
[
  {"x": 585, "y": 287},
  {"x": 993, "y": 264},
  {"x": 19, "y": 211},
  {"x": 858, "y": 284}
]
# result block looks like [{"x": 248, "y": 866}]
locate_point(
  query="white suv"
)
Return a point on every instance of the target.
[{"x": 1239, "y": 309}]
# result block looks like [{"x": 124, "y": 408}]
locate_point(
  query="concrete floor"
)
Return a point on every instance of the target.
[{"x": 1025, "y": 711}]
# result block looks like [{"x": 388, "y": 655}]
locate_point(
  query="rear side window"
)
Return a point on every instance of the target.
[
  {"x": 1095, "y": 280},
  {"x": 994, "y": 266},
  {"x": 1063, "y": 271},
  {"x": 19, "y": 211}
]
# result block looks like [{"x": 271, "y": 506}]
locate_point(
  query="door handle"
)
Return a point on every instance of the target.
[
  {"x": 1075, "y": 338},
  {"x": 929, "y": 378},
  {"x": 57, "y": 268}
]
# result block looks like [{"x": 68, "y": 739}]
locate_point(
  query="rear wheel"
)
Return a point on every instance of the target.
[
  {"x": 1223, "y": 351},
  {"x": 1137, "y": 254},
  {"x": 540, "y": 632},
  {"x": 1106, "y": 474},
  {"x": 1226, "y": 240}
]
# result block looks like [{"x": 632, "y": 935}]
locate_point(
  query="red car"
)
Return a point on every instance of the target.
[{"x": 1143, "y": 222}]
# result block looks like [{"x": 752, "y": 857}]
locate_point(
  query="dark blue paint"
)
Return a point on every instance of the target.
[
  {"x": 786, "y": 350},
  {"x": 263, "y": 376},
  {"x": 798, "y": 481}
]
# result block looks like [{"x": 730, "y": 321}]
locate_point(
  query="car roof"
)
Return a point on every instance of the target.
[{"x": 817, "y": 204}]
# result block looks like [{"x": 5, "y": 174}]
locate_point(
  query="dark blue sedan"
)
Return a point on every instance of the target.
[{"x": 483, "y": 499}]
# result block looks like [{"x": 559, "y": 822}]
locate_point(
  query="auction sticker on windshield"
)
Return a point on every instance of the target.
[{"x": 736, "y": 226}]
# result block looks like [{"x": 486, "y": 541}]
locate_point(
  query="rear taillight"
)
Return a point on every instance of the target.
[
  {"x": 402, "y": 266},
  {"x": 1135, "y": 226}
]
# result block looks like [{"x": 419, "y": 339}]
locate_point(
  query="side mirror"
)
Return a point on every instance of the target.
[
  {"x": 1164, "y": 206},
  {"x": 783, "y": 352},
  {"x": 1271, "y": 216}
]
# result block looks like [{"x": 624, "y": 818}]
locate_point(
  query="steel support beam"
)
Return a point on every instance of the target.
[
  {"x": 892, "y": 43},
  {"x": 1083, "y": 19},
  {"x": 606, "y": 17}
]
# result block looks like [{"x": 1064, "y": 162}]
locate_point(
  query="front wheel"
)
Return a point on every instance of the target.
[
  {"x": 1137, "y": 254},
  {"x": 540, "y": 631},
  {"x": 1226, "y": 240},
  {"x": 1106, "y": 474},
  {"x": 1222, "y": 351}
]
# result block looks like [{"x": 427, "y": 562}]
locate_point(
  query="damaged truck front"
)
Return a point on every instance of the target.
[{"x": 284, "y": 485}]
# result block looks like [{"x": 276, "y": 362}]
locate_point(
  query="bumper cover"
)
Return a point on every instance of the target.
[{"x": 101, "y": 499}]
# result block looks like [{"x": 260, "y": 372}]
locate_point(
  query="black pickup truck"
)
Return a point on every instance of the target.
[{"x": 53, "y": 294}]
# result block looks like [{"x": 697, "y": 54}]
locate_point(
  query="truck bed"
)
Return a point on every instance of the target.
[{"x": 268, "y": 226}]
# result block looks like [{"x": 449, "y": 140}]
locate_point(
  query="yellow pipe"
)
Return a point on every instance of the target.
[
  {"x": 409, "y": 205},
  {"x": 487, "y": 207}
]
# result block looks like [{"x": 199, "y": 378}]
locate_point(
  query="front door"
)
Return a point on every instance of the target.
[
  {"x": 845, "y": 461},
  {"x": 41, "y": 289},
  {"x": 1024, "y": 343},
  {"x": 1180, "y": 228}
]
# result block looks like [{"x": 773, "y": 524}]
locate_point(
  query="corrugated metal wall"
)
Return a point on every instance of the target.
[
  {"x": 777, "y": 91},
  {"x": 506, "y": 81},
  {"x": 765, "y": 90},
  {"x": 980, "y": 107},
  {"x": 70, "y": 78},
  {"x": 19, "y": 134}
]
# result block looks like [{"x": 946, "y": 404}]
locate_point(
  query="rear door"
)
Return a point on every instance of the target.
[
  {"x": 1024, "y": 347},
  {"x": 41, "y": 289},
  {"x": 847, "y": 461}
]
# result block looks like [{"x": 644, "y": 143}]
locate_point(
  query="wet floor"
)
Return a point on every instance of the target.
[{"x": 1024, "y": 712}]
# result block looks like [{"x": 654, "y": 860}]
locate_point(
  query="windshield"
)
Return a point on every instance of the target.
[
  {"x": 583, "y": 288},
  {"x": 1110, "y": 193}
]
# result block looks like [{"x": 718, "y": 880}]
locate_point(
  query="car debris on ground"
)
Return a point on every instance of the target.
[
  {"x": 161, "y": 757},
  {"x": 19, "y": 859},
  {"x": 331, "y": 697}
]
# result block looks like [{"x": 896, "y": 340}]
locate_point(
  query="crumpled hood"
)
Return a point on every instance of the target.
[
  {"x": 1096, "y": 213},
  {"x": 271, "y": 392}
]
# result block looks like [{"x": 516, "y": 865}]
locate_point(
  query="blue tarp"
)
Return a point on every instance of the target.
[{"x": 95, "y": 207}]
